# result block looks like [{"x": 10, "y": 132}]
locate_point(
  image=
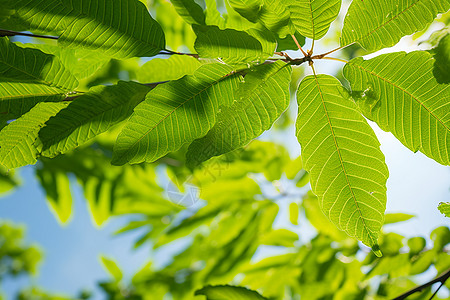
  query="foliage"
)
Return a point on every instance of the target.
[{"x": 83, "y": 100}]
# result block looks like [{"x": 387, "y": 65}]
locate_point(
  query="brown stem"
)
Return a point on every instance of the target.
[
  {"x": 4, "y": 32},
  {"x": 441, "y": 278},
  {"x": 298, "y": 45}
]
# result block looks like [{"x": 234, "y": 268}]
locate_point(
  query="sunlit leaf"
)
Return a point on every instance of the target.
[
  {"x": 121, "y": 28},
  {"x": 190, "y": 11},
  {"x": 89, "y": 115},
  {"x": 220, "y": 292},
  {"x": 18, "y": 145},
  {"x": 312, "y": 18},
  {"x": 376, "y": 24},
  {"x": 342, "y": 155},
  {"x": 261, "y": 99},
  {"x": 173, "y": 68},
  {"x": 29, "y": 76},
  {"x": 397, "y": 217},
  {"x": 112, "y": 268},
  {"x": 175, "y": 113},
  {"x": 414, "y": 107},
  {"x": 229, "y": 45}
]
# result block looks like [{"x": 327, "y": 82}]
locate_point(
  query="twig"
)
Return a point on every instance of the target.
[
  {"x": 330, "y": 58},
  {"x": 441, "y": 278},
  {"x": 298, "y": 45},
  {"x": 4, "y": 32},
  {"x": 170, "y": 52}
]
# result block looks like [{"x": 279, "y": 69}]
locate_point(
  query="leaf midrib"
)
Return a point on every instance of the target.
[
  {"x": 406, "y": 92},
  {"x": 169, "y": 114},
  {"x": 384, "y": 24},
  {"x": 341, "y": 161},
  {"x": 118, "y": 30}
]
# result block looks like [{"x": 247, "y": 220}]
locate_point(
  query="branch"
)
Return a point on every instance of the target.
[
  {"x": 4, "y": 32},
  {"x": 441, "y": 278}
]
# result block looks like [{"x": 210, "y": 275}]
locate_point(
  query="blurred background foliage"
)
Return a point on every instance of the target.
[{"x": 246, "y": 218}]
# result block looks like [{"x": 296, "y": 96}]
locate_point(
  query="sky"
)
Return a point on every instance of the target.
[{"x": 416, "y": 185}]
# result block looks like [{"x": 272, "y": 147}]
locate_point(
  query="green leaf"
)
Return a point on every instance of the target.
[
  {"x": 17, "y": 140},
  {"x": 190, "y": 11},
  {"x": 57, "y": 189},
  {"x": 288, "y": 43},
  {"x": 111, "y": 267},
  {"x": 175, "y": 113},
  {"x": 276, "y": 17},
  {"x": 279, "y": 237},
  {"x": 376, "y": 24},
  {"x": 173, "y": 68},
  {"x": 249, "y": 9},
  {"x": 89, "y": 115},
  {"x": 262, "y": 97},
  {"x": 29, "y": 76},
  {"x": 342, "y": 155},
  {"x": 293, "y": 213},
  {"x": 441, "y": 55},
  {"x": 229, "y": 45},
  {"x": 444, "y": 208},
  {"x": 120, "y": 29},
  {"x": 397, "y": 217},
  {"x": 221, "y": 292},
  {"x": 312, "y": 18},
  {"x": 414, "y": 107}
]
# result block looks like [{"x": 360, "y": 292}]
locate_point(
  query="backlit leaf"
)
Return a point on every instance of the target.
[
  {"x": 399, "y": 92},
  {"x": 376, "y": 24},
  {"x": 261, "y": 99},
  {"x": 342, "y": 155},
  {"x": 18, "y": 146},
  {"x": 312, "y": 18},
  {"x": 120, "y": 28},
  {"x": 444, "y": 208},
  {"x": 175, "y": 113},
  {"x": 89, "y": 115},
  {"x": 220, "y": 292}
]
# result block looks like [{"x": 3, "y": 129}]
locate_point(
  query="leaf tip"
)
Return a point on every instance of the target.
[{"x": 377, "y": 251}]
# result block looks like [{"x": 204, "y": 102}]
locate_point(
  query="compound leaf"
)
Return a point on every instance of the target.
[
  {"x": 376, "y": 24},
  {"x": 312, "y": 18},
  {"x": 261, "y": 99},
  {"x": 120, "y": 28},
  {"x": 342, "y": 155},
  {"x": 399, "y": 92},
  {"x": 175, "y": 113},
  {"x": 89, "y": 115}
]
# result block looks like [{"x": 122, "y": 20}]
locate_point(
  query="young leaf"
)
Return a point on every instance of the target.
[
  {"x": 89, "y": 115},
  {"x": 396, "y": 217},
  {"x": 231, "y": 46},
  {"x": 376, "y": 24},
  {"x": 312, "y": 18},
  {"x": 262, "y": 97},
  {"x": 17, "y": 140},
  {"x": 220, "y": 292},
  {"x": 399, "y": 92},
  {"x": 120, "y": 28},
  {"x": 342, "y": 155},
  {"x": 175, "y": 113},
  {"x": 444, "y": 208},
  {"x": 190, "y": 11}
]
